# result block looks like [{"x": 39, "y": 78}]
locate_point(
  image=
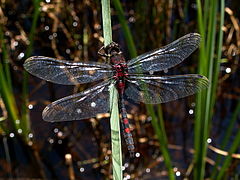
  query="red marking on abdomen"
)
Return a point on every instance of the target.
[
  {"x": 125, "y": 121},
  {"x": 127, "y": 130}
]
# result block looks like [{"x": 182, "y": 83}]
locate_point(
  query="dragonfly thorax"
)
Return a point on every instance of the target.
[{"x": 120, "y": 71}]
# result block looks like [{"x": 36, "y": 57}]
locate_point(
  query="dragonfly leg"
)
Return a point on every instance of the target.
[
  {"x": 103, "y": 54},
  {"x": 107, "y": 51}
]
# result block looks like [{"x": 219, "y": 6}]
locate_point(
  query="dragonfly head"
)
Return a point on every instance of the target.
[{"x": 113, "y": 49}]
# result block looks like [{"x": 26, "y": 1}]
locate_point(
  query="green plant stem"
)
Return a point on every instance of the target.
[
  {"x": 226, "y": 139},
  {"x": 205, "y": 101},
  {"x": 106, "y": 18},
  {"x": 6, "y": 87},
  {"x": 228, "y": 159},
  {"x": 217, "y": 61},
  {"x": 159, "y": 129},
  {"x": 114, "y": 112},
  {"x": 8, "y": 100},
  {"x": 115, "y": 134},
  {"x": 5, "y": 58},
  {"x": 125, "y": 28}
]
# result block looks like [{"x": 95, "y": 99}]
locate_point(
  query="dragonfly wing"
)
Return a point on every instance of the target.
[
  {"x": 165, "y": 57},
  {"x": 79, "y": 106},
  {"x": 161, "y": 89},
  {"x": 66, "y": 72}
]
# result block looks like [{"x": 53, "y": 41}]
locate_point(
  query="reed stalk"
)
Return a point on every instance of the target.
[
  {"x": 208, "y": 66},
  {"x": 6, "y": 91},
  {"x": 114, "y": 112}
]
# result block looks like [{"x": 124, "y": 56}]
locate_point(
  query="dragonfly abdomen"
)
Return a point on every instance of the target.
[{"x": 126, "y": 127}]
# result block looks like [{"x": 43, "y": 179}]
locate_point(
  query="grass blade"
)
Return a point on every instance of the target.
[
  {"x": 106, "y": 18},
  {"x": 226, "y": 139},
  {"x": 228, "y": 159},
  {"x": 115, "y": 134},
  {"x": 125, "y": 28},
  {"x": 209, "y": 67},
  {"x": 114, "y": 112},
  {"x": 6, "y": 88}
]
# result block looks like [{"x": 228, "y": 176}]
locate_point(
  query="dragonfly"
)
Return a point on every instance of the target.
[{"x": 134, "y": 79}]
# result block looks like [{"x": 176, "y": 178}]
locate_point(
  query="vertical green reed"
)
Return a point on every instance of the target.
[
  {"x": 114, "y": 112},
  {"x": 208, "y": 66},
  {"x": 233, "y": 147},
  {"x": 6, "y": 91},
  {"x": 157, "y": 120}
]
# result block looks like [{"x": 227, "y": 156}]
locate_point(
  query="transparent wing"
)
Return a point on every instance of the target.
[
  {"x": 79, "y": 106},
  {"x": 165, "y": 57},
  {"x": 161, "y": 89},
  {"x": 66, "y": 72}
]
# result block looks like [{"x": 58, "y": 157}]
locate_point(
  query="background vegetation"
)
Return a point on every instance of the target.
[{"x": 192, "y": 138}]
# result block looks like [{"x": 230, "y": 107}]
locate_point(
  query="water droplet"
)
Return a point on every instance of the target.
[
  {"x": 228, "y": 70},
  {"x": 137, "y": 154},
  {"x": 30, "y": 135},
  {"x": 209, "y": 140},
  {"x": 48, "y": 1},
  {"x": 190, "y": 111},
  {"x": 11, "y": 135},
  {"x": 20, "y": 131},
  {"x": 30, "y": 106},
  {"x": 178, "y": 173},
  {"x": 55, "y": 130},
  {"x": 68, "y": 51},
  {"x": 50, "y": 37},
  {"x": 81, "y": 169},
  {"x": 15, "y": 43},
  {"x": 148, "y": 170},
  {"x": 75, "y": 24},
  {"x": 59, "y": 141},
  {"x": 93, "y": 104},
  {"x": 54, "y": 34},
  {"x": 46, "y": 28},
  {"x": 132, "y": 19},
  {"x": 21, "y": 55},
  {"x": 60, "y": 134},
  {"x": 17, "y": 121},
  {"x": 50, "y": 140}
]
